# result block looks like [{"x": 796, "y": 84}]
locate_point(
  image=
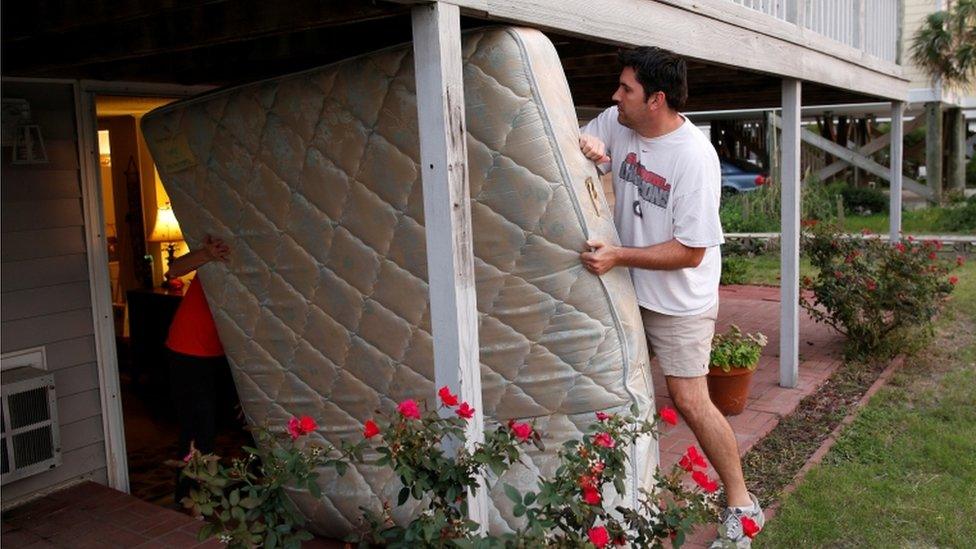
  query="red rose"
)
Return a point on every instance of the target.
[
  {"x": 307, "y": 424},
  {"x": 696, "y": 458},
  {"x": 446, "y": 397},
  {"x": 706, "y": 483},
  {"x": 522, "y": 431},
  {"x": 749, "y": 527},
  {"x": 685, "y": 463},
  {"x": 598, "y": 536},
  {"x": 592, "y": 496},
  {"x": 959, "y": 261},
  {"x": 294, "y": 430},
  {"x": 465, "y": 411},
  {"x": 871, "y": 285},
  {"x": 938, "y": 244},
  {"x": 600, "y": 416},
  {"x": 408, "y": 409},
  {"x": 933, "y": 255},
  {"x": 597, "y": 468},
  {"x": 900, "y": 247},
  {"x": 669, "y": 416},
  {"x": 371, "y": 429},
  {"x": 911, "y": 238},
  {"x": 604, "y": 439},
  {"x": 298, "y": 427},
  {"x": 953, "y": 280}
]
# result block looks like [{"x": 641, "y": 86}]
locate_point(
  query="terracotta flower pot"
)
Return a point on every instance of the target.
[{"x": 729, "y": 390}]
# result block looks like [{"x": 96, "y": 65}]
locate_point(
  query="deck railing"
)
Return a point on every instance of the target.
[{"x": 868, "y": 25}]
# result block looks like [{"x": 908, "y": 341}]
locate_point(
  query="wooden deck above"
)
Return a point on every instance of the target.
[{"x": 738, "y": 55}]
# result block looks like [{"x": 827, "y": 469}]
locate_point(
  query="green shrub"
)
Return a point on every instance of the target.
[
  {"x": 873, "y": 292},
  {"x": 734, "y": 270},
  {"x": 960, "y": 218},
  {"x": 759, "y": 211},
  {"x": 864, "y": 200}
]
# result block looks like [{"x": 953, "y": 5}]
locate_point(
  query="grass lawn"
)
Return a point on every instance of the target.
[
  {"x": 924, "y": 221},
  {"x": 904, "y": 473},
  {"x": 764, "y": 269}
]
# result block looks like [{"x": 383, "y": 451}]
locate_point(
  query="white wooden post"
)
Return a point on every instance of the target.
[
  {"x": 447, "y": 213},
  {"x": 897, "y": 148},
  {"x": 789, "y": 322}
]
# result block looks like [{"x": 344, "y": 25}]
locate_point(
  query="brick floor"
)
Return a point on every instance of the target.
[{"x": 92, "y": 515}]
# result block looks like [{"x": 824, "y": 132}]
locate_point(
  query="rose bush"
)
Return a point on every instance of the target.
[
  {"x": 244, "y": 502},
  {"x": 871, "y": 290},
  {"x": 247, "y": 507}
]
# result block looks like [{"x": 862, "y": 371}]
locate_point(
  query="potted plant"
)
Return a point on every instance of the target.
[{"x": 735, "y": 356}]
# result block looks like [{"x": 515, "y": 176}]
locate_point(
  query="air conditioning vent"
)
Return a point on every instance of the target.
[{"x": 31, "y": 441}]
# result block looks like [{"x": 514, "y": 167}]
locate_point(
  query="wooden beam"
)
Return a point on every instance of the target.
[
  {"x": 862, "y": 162},
  {"x": 447, "y": 214},
  {"x": 789, "y": 319},
  {"x": 749, "y": 39},
  {"x": 956, "y": 151},
  {"x": 897, "y": 134},
  {"x": 933, "y": 149},
  {"x": 866, "y": 150}
]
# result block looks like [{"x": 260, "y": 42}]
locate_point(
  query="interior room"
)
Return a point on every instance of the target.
[{"x": 142, "y": 234}]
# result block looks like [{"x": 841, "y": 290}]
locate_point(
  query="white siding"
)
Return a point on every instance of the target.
[{"x": 46, "y": 299}]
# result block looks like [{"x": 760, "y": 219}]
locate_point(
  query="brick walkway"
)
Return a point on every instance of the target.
[{"x": 91, "y": 515}]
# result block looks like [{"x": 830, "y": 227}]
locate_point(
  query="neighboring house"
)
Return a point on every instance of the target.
[
  {"x": 84, "y": 67},
  {"x": 950, "y": 113}
]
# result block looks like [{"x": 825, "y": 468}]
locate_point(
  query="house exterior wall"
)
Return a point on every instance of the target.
[
  {"x": 46, "y": 293},
  {"x": 915, "y": 13}
]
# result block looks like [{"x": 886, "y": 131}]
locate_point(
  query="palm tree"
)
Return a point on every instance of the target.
[{"x": 945, "y": 45}]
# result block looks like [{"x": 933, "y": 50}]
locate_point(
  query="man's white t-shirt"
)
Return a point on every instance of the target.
[{"x": 666, "y": 187}]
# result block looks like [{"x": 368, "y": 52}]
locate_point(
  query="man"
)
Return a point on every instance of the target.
[{"x": 667, "y": 183}]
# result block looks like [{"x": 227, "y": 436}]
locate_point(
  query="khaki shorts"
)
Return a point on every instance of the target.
[{"x": 682, "y": 344}]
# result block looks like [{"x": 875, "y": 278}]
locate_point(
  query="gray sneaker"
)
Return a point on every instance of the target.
[{"x": 732, "y": 533}]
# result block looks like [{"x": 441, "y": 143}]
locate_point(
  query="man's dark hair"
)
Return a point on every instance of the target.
[{"x": 659, "y": 70}]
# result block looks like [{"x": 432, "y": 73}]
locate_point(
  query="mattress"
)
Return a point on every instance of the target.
[{"x": 313, "y": 180}]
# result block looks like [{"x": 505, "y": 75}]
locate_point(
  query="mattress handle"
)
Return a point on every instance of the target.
[{"x": 594, "y": 198}]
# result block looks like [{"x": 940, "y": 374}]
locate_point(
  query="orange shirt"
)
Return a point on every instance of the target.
[{"x": 193, "y": 331}]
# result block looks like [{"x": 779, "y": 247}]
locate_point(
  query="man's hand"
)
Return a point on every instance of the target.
[
  {"x": 594, "y": 149},
  {"x": 601, "y": 258},
  {"x": 216, "y": 249}
]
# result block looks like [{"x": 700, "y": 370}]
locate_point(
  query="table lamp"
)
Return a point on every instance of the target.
[{"x": 166, "y": 230}]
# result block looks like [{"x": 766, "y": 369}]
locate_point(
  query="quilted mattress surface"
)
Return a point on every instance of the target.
[{"x": 313, "y": 180}]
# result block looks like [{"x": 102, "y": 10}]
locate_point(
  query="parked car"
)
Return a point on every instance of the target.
[{"x": 736, "y": 179}]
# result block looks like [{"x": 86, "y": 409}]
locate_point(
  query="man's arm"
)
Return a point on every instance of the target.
[
  {"x": 666, "y": 256},
  {"x": 214, "y": 249}
]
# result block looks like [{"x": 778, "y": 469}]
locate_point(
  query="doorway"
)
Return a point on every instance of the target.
[{"x": 140, "y": 233}]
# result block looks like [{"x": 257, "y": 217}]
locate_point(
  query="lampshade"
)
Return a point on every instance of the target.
[{"x": 167, "y": 229}]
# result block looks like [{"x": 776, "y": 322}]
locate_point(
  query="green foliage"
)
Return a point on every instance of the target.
[
  {"x": 912, "y": 448},
  {"x": 759, "y": 211},
  {"x": 864, "y": 200},
  {"x": 960, "y": 218},
  {"x": 245, "y": 503},
  {"x": 735, "y": 349},
  {"x": 734, "y": 270},
  {"x": 413, "y": 448},
  {"x": 874, "y": 292},
  {"x": 945, "y": 44},
  {"x": 562, "y": 512}
]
